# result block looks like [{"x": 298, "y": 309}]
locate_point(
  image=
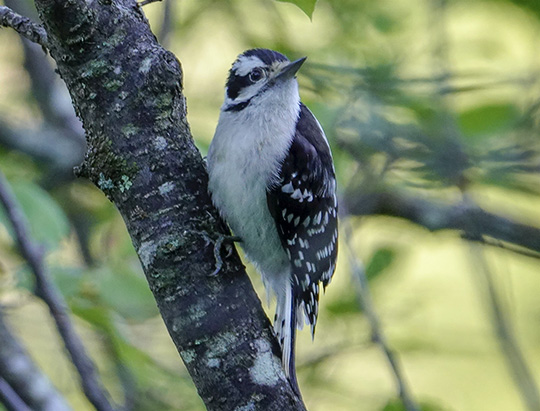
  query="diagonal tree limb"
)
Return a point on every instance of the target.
[
  {"x": 10, "y": 399},
  {"x": 21, "y": 381},
  {"x": 23, "y": 25},
  {"x": 47, "y": 291},
  {"x": 128, "y": 92}
]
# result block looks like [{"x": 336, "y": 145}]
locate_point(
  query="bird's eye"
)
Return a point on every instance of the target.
[{"x": 257, "y": 74}]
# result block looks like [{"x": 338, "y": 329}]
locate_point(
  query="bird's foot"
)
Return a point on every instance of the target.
[{"x": 218, "y": 243}]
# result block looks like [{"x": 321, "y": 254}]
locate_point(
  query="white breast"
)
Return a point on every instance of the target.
[{"x": 243, "y": 159}]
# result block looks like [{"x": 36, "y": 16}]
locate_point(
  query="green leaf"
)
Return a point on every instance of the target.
[
  {"x": 530, "y": 5},
  {"x": 489, "y": 119},
  {"x": 307, "y": 6},
  {"x": 346, "y": 304},
  {"x": 68, "y": 280},
  {"x": 48, "y": 223},
  {"x": 98, "y": 316},
  {"x": 380, "y": 261},
  {"x": 396, "y": 404},
  {"x": 126, "y": 294}
]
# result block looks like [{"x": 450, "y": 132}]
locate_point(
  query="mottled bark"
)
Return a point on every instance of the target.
[
  {"x": 127, "y": 90},
  {"x": 23, "y": 25}
]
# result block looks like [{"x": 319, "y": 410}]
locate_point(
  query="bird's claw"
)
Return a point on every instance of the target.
[{"x": 218, "y": 243}]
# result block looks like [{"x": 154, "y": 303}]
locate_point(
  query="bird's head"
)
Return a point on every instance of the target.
[{"x": 261, "y": 76}]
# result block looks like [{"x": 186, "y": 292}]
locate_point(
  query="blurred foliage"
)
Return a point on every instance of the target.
[
  {"x": 412, "y": 138},
  {"x": 395, "y": 404},
  {"x": 48, "y": 223},
  {"x": 381, "y": 259},
  {"x": 438, "y": 99},
  {"x": 307, "y": 6}
]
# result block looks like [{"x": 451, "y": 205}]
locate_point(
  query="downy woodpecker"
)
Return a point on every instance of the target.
[{"x": 273, "y": 181}]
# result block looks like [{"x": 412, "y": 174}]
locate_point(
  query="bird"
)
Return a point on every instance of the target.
[{"x": 272, "y": 179}]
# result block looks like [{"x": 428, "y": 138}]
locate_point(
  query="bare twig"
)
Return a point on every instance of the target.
[
  {"x": 48, "y": 292},
  {"x": 502, "y": 246},
  {"x": 437, "y": 216},
  {"x": 52, "y": 146},
  {"x": 377, "y": 333},
  {"x": 10, "y": 398},
  {"x": 505, "y": 334},
  {"x": 167, "y": 23},
  {"x": 123, "y": 372},
  {"x": 24, "y": 26},
  {"x": 145, "y": 2},
  {"x": 20, "y": 377}
]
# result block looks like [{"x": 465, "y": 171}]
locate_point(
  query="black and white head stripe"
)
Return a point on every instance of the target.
[
  {"x": 304, "y": 206},
  {"x": 242, "y": 85},
  {"x": 268, "y": 57}
]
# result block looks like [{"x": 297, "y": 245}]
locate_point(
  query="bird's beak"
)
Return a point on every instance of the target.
[{"x": 290, "y": 70}]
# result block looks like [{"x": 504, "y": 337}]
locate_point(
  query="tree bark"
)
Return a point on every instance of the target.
[{"x": 127, "y": 90}]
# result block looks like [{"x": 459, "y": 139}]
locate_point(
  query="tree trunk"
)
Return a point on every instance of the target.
[{"x": 127, "y": 90}]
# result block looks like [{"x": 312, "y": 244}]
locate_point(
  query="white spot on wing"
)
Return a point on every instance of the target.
[
  {"x": 297, "y": 194},
  {"x": 287, "y": 188}
]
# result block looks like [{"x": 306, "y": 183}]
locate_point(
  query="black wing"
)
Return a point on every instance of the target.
[{"x": 304, "y": 206}]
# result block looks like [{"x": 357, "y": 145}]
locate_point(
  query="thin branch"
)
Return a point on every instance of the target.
[
  {"x": 10, "y": 398},
  {"x": 435, "y": 216},
  {"x": 24, "y": 26},
  {"x": 167, "y": 23},
  {"x": 502, "y": 246},
  {"x": 377, "y": 333},
  {"x": 52, "y": 146},
  {"x": 123, "y": 372},
  {"x": 145, "y": 2},
  {"x": 48, "y": 292},
  {"x": 515, "y": 358},
  {"x": 20, "y": 377}
]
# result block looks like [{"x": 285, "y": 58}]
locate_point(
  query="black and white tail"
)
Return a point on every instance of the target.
[{"x": 285, "y": 325}]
